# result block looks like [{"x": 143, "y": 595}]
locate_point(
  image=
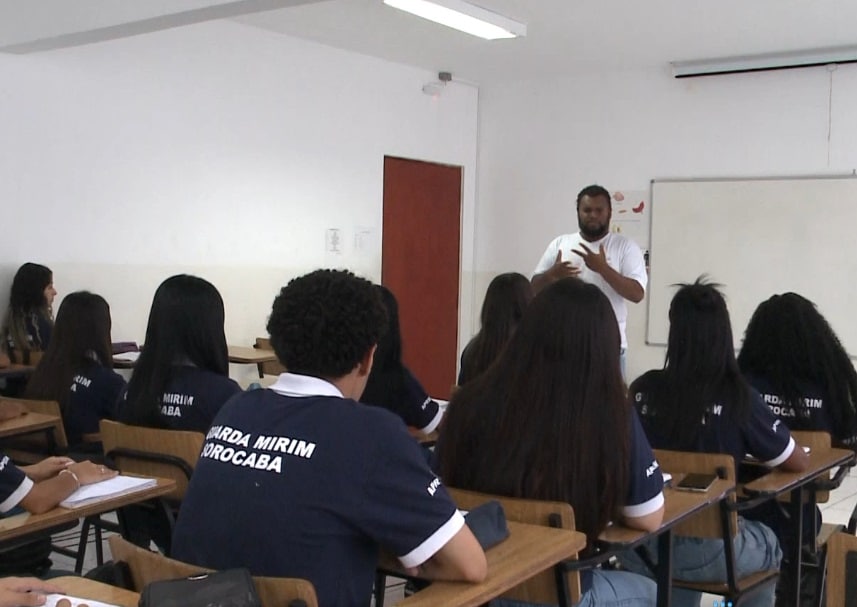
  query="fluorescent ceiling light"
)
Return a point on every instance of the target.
[
  {"x": 769, "y": 61},
  {"x": 463, "y": 16}
]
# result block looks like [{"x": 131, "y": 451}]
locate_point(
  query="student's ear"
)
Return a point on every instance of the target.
[{"x": 364, "y": 367}]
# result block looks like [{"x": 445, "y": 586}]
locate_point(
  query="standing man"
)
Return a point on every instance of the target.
[{"x": 610, "y": 261}]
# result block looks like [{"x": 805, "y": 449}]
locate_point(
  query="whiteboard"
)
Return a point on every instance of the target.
[{"x": 756, "y": 237}]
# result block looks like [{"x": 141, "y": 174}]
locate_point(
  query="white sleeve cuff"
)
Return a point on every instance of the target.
[
  {"x": 434, "y": 542},
  {"x": 638, "y": 510},
  {"x": 434, "y": 423},
  {"x": 17, "y": 495},
  {"x": 787, "y": 452}
]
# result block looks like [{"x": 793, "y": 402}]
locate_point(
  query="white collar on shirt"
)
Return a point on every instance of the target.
[{"x": 292, "y": 384}]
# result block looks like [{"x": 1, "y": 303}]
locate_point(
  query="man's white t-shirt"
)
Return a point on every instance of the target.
[{"x": 623, "y": 255}]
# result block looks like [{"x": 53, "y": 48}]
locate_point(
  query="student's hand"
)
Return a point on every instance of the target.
[
  {"x": 47, "y": 468},
  {"x": 24, "y": 591},
  {"x": 597, "y": 262},
  {"x": 11, "y": 410},
  {"x": 88, "y": 473},
  {"x": 562, "y": 269}
]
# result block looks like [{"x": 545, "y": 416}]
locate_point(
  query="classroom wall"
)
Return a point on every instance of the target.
[
  {"x": 541, "y": 141},
  {"x": 217, "y": 149}
]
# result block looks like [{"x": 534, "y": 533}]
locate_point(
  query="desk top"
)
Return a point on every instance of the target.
[
  {"x": 90, "y": 589},
  {"x": 241, "y": 354},
  {"x": 529, "y": 549},
  {"x": 779, "y": 481},
  {"x": 16, "y": 370},
  {"x": 29, "y": 422},
  {"x": 678, "y": 505},
  {"x": 26, "y": 523}
]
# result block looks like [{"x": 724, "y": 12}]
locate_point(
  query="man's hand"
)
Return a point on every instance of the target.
[
  {"x": 562, "y": 269},
  {"x": 597, "y": 262},
  {"x": 24, "y": 591},
  {"x": 47, "y": 468}
]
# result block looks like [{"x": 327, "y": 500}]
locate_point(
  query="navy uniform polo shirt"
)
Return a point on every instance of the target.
[
  {"x": 14, "y": 484},
  {"x": 646, "y": 481},
  {"x": 297, "y": 481},
  {"x": 762, "y": 435},
  {"x": 815, "y": 414},
  {"x": 93, "y": 396},
  {"x": 417, "y": 408}
]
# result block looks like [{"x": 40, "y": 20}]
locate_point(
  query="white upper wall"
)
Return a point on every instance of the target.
[
  {"x": 218, "y": 149},
  {"x": 543, "y": 140}
]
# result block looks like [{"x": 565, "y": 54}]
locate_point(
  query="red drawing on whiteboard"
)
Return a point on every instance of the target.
[{"x": 639, "y": 208}]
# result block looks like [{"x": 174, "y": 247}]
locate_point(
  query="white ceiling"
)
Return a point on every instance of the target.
[{"x": 563, "y": 37}]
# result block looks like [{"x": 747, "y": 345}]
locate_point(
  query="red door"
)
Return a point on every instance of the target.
[{"x": 420, "y": 252}]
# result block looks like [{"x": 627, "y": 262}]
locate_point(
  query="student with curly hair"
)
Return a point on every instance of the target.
[
  {"x": 77, "y": 369},
  {"x": 794, "y": 359},
  {"x": 507, "y": 297},
  {"x": 29, "y": 318},
  {"x": 525, "y": 429},
  {"x": 701, "y": 402},
  {"x": 312, "y": 482},
  {"x": 392, "y": 385}
]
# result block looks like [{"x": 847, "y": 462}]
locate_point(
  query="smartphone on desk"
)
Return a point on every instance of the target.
[{"x": 696, "y": 482}]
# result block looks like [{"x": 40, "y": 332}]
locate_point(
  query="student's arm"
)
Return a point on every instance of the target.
[
  {"x": 11, "y": 409},
  {"x": 648, "y": 522},
  {"x": 24, "y": 591},
  {"x": 47, "y": 494},
  {"x": 4, "y": 360},
  {"x": 460, "y": 559},
  {"x": 797, "y": 461}
]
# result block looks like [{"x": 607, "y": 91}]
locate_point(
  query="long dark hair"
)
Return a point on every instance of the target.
[
  {"x": 789, "y": 343},
  {"x": 526, "y": 427},
  {"x": 81, "y": 333},
  {"x": 27, "y": 299},
  {"x": 386, "y": 384},
  {"x": 700, "y": 368},
  {"x": 185, "y": 329},
  {"x": 507, "y": 297}
]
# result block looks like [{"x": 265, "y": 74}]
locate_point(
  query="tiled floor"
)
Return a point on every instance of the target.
[{"x": 837, "y": 510}]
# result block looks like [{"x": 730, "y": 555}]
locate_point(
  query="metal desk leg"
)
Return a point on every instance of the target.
[{"x": 663, "y": 575}]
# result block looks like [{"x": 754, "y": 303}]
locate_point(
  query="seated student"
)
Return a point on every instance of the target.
[
  {"x": 507, "y": 297},
  {"x": 793, "y": 358},
  {"x": 39, "y": 488},
  {"x": 28, "y": 324},
  {"x": 181, "y": 379},
  {"x": 391, "y": 385},
  {"x": 77, "y": 369},
  {"x": 700, "y": 402},
  {"x": 301, "y": 480},
  {"x": 24, "y": 592},
  {"x": 525, "y": 428}
]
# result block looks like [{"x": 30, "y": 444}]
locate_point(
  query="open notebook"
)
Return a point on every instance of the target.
[
  {"x": 53, "y": 600},
  {"x": 114, "y": 487}
]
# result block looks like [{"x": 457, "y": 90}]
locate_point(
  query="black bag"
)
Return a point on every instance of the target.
[
  {"x": 488, "y": 524},
  {"x": 230, "y": 588}
]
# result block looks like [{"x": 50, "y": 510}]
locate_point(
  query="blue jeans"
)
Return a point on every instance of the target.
[
  {"x": 609, "y": 589},
  {"x": 702, "y": 560}
]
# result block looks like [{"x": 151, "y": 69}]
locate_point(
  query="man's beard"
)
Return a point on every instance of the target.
[{"x": 593, "y": 234}]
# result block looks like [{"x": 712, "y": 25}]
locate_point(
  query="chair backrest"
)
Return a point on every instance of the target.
[
  {"x": 152, "y": 452},
  {"x": 273, "y": 367},
  {"x": 708, "y": 522},
  {"x": 816, "y": 441},
  {"x": 147, "y": 566},
  {"x": 841, "y": 551},
  {"x": 541, "y": 588},
  {"x": 35, "y": 447}
]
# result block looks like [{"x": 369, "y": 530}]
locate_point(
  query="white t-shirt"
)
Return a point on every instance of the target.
[{"x": 623, "y": 255}]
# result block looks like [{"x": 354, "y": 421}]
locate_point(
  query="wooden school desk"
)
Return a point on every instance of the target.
[
  {"x": 529, "y": 549},
  {"x": 32, "y": 423},
  {"x": 90, "y": 589},
  {"x": 20, "y": 525},
  {"x": 799, "y": 485},
  {"x": 678, "y": 506}
]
